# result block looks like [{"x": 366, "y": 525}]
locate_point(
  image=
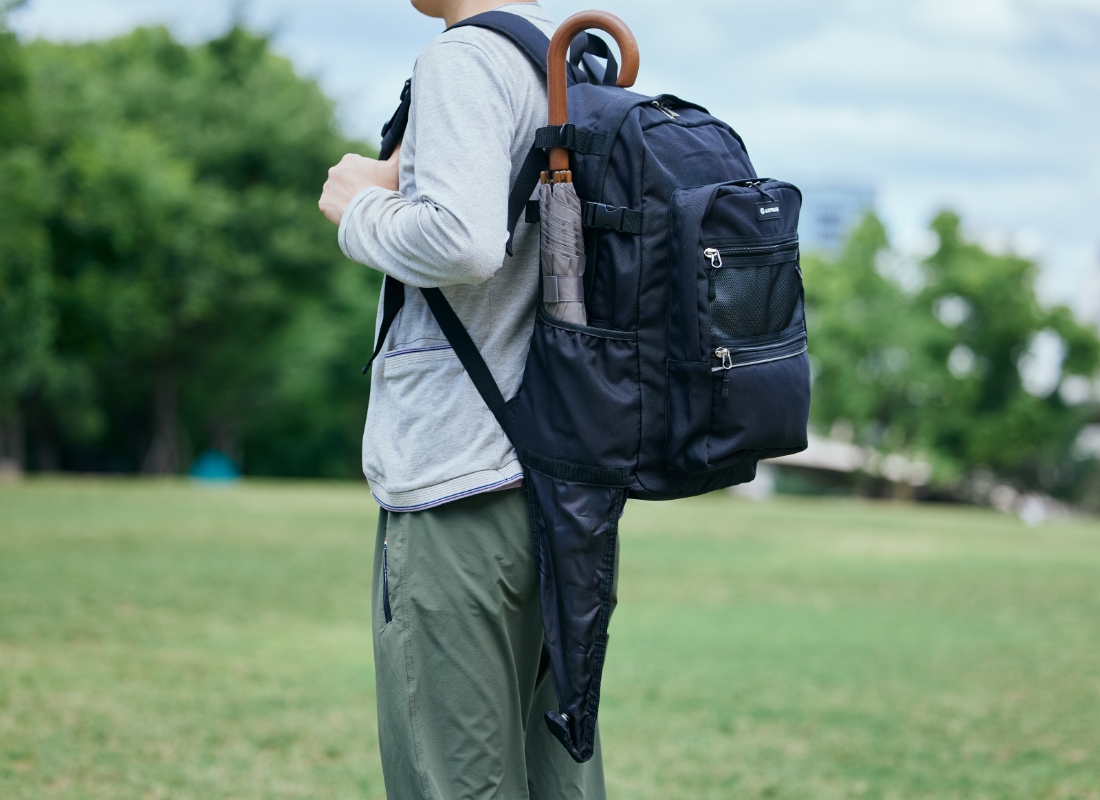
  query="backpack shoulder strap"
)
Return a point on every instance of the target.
[
  {"x": 523, "y": 33},
  {"x": 529, "y": 39},
  {"x": 535, "y": 45},
  {"x": 582, "y": 68}
]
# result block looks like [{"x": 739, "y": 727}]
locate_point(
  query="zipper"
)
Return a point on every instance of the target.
[
  {"x": 794, "y": 337},
  {"x": 386, "y": 583},
  {"x": 714, "y": 256},
  {"x": 725, "y": 356},
  {"x": 617, "y": 125},
  {"x": 664, "y": 109},
  {"x": 723, "y": 353},
  {"x": 758, "y": 184}
]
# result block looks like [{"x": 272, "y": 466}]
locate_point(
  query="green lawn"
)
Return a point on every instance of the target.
[{"x": 160, "y": 640}]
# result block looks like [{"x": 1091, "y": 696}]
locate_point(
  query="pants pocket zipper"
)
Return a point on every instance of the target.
[{"x": 386, "y": 583}]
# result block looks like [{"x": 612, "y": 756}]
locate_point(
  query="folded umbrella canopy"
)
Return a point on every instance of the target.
[{"x": 562, "y": 252}]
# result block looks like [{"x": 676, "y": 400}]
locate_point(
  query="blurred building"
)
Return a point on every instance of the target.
[
  {"x": 830, "y": 211},
  {"x": 1090, "y": 299}
]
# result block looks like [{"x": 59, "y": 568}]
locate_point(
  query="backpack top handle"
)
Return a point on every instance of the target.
[{"x": 557, "y": 62}]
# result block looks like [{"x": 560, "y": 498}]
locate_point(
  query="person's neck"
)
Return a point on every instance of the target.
[{"x": 470, "y": 8}]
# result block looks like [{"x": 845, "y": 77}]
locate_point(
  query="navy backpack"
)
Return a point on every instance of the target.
[{"x": 693, "y": 364}]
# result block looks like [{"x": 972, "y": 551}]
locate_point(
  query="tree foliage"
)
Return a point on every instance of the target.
[
  {"x": 932, "y": 365},
  {"x": 167, "y": 284},
  {"x": 26, "y": 318},
  {"x": 185, "y": 251}
]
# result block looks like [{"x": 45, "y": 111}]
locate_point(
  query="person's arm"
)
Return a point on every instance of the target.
[
  {"x": 352, "y": 175},
  {"x": 457, "y": 231}
]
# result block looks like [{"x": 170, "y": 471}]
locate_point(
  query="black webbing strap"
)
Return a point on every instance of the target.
[
  {"x": 596, "y": 215},
  {"x": 393, "y": 130},
  {"x": 533, "y": 166},
  {"x": 393, "y": 299},
  {"x": 532, "y": 213},
  {"x": 533, "y": 42},
  {"x": 583, "y": 52},
  {"x": 393, "y": 291},
  {"x": 468, "y": 354},
  {"x": 453, "y": 329},
  {"x": 567, "y": 137}
]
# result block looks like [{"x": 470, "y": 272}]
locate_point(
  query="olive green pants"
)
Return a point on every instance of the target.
[{"x": 457, "y": 649}]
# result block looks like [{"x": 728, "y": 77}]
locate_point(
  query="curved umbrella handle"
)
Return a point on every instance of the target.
[{"x": 557, "y": 61}]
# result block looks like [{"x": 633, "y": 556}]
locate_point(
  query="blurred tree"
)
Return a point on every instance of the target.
[
  {"x": 186, "y": 245},
  {"x": 26, "y": 319},
  {"x": 931, "y": 360}
]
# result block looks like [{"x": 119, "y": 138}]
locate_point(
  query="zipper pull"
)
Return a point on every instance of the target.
[
  {"x": 714, "y": 256},
  {"x": 668, "y": 112},
  {"x": 727, "y": 364},
  {"x": 724, "y": 354}
]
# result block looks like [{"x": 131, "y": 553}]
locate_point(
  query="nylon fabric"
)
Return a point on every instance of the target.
[
  {"x": 562, "y": 254},
  {"x": 575, "y": 530}
]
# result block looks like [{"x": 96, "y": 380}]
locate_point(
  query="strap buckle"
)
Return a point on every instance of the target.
[
  {"x": 568, "y": 134},
  {"x": 598, "y": 215}
]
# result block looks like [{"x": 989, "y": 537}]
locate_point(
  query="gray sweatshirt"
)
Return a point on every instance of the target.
[{"x": 477, "y": 102}]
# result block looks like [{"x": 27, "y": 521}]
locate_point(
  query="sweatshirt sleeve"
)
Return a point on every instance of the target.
[{"x": 455, "y": 232}]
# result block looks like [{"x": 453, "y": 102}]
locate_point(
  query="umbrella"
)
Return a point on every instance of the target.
[
  {"x": 562, "y": 252},
  {"x": 574, "y": 524}
]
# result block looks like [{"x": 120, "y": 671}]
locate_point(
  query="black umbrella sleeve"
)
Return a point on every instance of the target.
[{"x": 575, "y": 530}]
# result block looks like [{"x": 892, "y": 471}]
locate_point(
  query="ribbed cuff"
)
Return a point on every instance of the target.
[{"x": 342, "y": 235}]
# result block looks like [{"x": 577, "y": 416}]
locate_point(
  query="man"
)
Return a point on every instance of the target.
[{"x": 457, "y": 628}]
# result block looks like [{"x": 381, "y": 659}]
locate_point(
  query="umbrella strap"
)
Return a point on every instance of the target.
[
  {"x": 566, "y": 137},
  {"x": 562, "y": 289},
  {"x": 596, "y": 215},
  {"x": 581, "y": 52}
]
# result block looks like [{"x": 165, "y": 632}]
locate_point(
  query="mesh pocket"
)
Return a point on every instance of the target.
[{"x": 752, "y": 301}]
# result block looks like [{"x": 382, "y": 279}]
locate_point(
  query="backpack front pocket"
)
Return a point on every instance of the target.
[
  {"x": 750, "y": 401},
  {"x": 760, "y": 400},
  {"x": 737, "y": 378}
]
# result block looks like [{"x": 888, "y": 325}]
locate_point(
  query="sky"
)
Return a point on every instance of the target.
[{"x": 988, "y": 107}]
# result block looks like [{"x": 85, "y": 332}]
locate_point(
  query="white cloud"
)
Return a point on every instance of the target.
[{"x": 1000, "y": 21}]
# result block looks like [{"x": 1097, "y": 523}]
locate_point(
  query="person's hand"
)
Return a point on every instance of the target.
[{"x": 351, "y": 176}]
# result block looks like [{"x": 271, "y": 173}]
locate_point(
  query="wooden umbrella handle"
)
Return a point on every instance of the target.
[{"x": 557, "y": 64}]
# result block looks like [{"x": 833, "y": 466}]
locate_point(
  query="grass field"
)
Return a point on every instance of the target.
[{"x": 159, "y": 640}]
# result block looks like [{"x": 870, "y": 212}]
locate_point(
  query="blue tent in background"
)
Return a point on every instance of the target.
[{"x": 213, "y": 466}]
